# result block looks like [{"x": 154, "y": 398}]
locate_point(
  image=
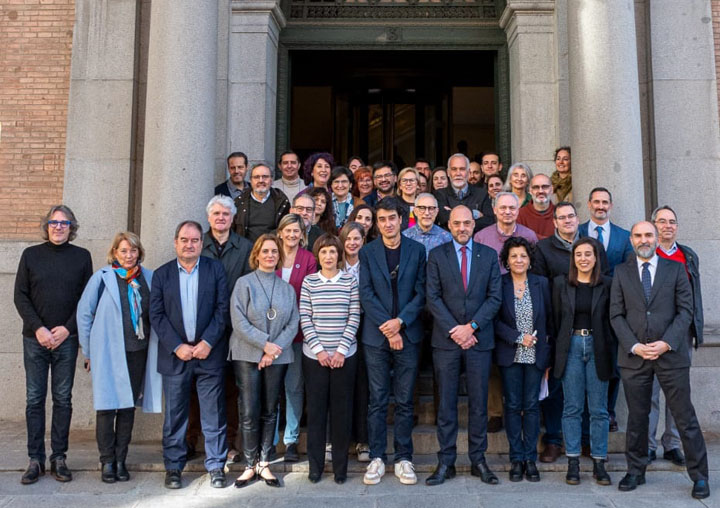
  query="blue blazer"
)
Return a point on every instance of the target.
[
  {"x": 451, "y": 305},
  {"x": 166, "y": 315},
  {"x": 619, "y": 247},
  {"x": 376, "y": 290},
  {"x": 505, "y": 327}
]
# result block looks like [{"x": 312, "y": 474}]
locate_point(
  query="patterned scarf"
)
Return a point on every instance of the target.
[
  {"x": 561, "y": 186},
  {"x": 130, "y": 276}
]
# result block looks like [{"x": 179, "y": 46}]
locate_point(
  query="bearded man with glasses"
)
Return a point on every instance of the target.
[{"x": 50, "y": 280}]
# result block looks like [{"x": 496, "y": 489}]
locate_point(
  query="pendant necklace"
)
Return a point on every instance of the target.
[{"x": 271, "y": 312}]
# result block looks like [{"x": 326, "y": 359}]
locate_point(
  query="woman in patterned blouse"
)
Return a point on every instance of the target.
[
  {"x": 522, "y": 351},
  {"x": 329, "y": 318}
]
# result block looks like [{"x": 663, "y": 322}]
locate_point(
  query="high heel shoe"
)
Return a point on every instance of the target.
[
  {"x": 240, "y": 483},
  {"x": 270, "y": 482}
]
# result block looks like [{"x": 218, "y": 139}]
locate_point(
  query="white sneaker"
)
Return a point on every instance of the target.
[
  {"x": 328, "y": 452},
  {"x": 375, "y": 472},
  {"x": 363, "y": 452},
  {"x": 405, "y": 472}
]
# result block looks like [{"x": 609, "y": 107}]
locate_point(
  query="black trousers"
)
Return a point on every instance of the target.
[
  {"x": 259, "y": 395},
  {"x": 361, "y": 399},
  {"x": 675, "y": 383},
  {"x": 329, "y": 390},
  {"x": 113, "y": 429}
]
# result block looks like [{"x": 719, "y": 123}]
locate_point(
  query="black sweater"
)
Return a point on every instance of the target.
[{"x": 50, "y": 280}]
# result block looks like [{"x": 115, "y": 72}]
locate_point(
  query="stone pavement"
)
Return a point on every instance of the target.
[{"x": 667, "y": 485}]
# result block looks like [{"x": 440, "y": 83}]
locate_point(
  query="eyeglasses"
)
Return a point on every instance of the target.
[
  {"x": 561, "y": 218},
  {"x": 408, "y": 180},
  {"x": 341, "y": 182},
  {"x": 304, "y": 208},
  {"x": 665, "y": 222},
  {"x": 261, "y": 177},
  {"x": 538, "y": 187},
  {"x": 61, "y": 224},
  {"x": 424, "y": 209},
  {"x": 386, "y": 176}
]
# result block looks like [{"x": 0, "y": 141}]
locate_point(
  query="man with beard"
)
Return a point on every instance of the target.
[
  {"x": 651, "y": 307},
  {"x": 260, "y": 208},
  {"x": 538, "y": 215},
  {"x": 384, "y": 178}
]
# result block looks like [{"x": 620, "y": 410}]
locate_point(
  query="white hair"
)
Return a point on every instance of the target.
[
  {"x": 524, "y": 167},
  {"x": 224, "y": 201},
  {"x": 425, "y": 195},
  {"x": 467, "y": 161},
  {"x": 504, "y": 193}
]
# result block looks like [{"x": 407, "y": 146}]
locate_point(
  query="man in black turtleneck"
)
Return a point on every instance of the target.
[{"x": 50, "y": 280}]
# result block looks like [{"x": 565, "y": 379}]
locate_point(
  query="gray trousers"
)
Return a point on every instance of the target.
[{"x": 670, "y": 439}]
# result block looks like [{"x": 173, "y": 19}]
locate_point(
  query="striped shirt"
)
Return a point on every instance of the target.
[{"x": 329, "y": 314}]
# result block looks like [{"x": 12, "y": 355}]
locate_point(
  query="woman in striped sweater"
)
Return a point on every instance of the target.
[{"x": 329, "y": 318}]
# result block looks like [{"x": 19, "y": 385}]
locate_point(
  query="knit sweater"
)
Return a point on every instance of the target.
[
  {"x": 329, "y": 314},
  {"x": 252, "y": 329},
  {"x": 49, "y": 282},
  {"x": 541, "y": 223}
]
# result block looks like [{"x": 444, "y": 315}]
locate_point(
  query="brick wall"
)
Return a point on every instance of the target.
[{"x": 35, "y": 50}]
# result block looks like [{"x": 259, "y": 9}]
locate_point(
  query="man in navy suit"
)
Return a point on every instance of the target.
[
  {"x": 616, "y": 241},
  {"x": 392, "y": 292},
  {"x": 188, "y": 309},
  {"x": 464, "y": 293}
]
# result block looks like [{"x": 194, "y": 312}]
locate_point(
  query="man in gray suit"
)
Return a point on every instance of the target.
[{"x": 650, "y": 310}]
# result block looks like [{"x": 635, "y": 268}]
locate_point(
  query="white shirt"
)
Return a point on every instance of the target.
[
  {"x": 653, "y": 267},
  {"x": 605, "y": 229}
]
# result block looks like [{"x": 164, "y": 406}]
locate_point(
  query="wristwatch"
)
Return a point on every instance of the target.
[{"x": 474, "y": 325}]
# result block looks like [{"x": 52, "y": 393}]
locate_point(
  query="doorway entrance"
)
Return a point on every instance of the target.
[{"x": 393, "y": 105}]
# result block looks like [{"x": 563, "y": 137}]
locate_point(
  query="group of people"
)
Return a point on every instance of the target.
[{"x": 329, "y": 289}]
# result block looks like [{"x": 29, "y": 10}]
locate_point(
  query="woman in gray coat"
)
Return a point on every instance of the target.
[{"x": 265, "y": 320}]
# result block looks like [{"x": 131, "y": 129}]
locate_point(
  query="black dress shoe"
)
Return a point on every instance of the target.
[
  {"x": 291, "y": 453},
  {"x": 631, "y": 481},
  {"x": 240, "y": 483},
  {"x": 701, "y": 489},
  {"x": 531, "y": 471},
  {"x": 675, "y": 456},
  {"x": 270, "y": 482},
  {"x": 60, "y": 471},
  {"x": 340, "y": 479},
  {"x": 173, "y": 479},
  {"x": 33, "y": 472},
  {"x": 482, "y": 470},
  {"x": 652, "y": 456},
  {"x": 109, "y": 473},
  {"x": 441, "y": 473},
  {"x": 122, "y": 473},
  {"x": 217, "y": 479},
  {"x": 314, "y": 477},
  {"x": 516, "y": 471}
]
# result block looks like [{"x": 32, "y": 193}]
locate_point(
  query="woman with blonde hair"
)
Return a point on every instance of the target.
[{"x": 120, "y": 350}]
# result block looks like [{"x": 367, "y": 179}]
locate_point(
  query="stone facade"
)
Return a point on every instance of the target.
[{"x": 150, "y": 111}]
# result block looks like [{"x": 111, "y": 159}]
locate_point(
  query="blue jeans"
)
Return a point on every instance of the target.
[
  {"x": 580, "y": 379},
  {"x": 521, "y": 388},
  {"x": 294, "y": 392},
  {"x": 380, "y": 362},
  {"x": 61, "y": 362}
]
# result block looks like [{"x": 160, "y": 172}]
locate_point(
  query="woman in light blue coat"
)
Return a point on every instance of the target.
[{"x": 120, "y": 350}]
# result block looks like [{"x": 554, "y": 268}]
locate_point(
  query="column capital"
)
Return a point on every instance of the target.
[
  {"x": 532, "y": 7},
  {"x": 271, "y": 7}
]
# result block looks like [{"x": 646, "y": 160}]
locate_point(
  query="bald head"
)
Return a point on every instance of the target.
[{"x": 461, "y": 224}]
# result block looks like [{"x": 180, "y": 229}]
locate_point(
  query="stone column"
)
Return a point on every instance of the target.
[
  {"x": 179, "y": 120},
  {"x": 252, "y": 92},
  {"x": 530, "y": 28},
  {"x": 604, "y": 106},
  {"x": 99, "y": 149},
  {"x": 687, "y": 141}
]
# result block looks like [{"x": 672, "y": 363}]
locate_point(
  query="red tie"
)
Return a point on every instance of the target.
[{"x": 463, "y": 266}]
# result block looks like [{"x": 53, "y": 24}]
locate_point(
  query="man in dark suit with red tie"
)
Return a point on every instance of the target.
[
  {"x": 651, "y": 307},
  {"x": 464, "y": 293}
]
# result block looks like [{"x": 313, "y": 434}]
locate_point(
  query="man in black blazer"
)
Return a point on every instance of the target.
[
  {"x": 460, "y": 192},
  {"x": 237, "y": 164},
  {"x": 651, "y": 310},
  {"x": 392, "y": 293},
  {"x": 188, "y": 310},
  {"x": 464, "y": 292}
]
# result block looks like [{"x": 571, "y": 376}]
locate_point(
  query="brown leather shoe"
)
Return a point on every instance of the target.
[
  {"x": 495, "y": 424},
  {"x": 551, "y": 453}
]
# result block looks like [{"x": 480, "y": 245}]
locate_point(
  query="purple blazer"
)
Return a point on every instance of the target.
[{"x": 304, "y": 265}]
